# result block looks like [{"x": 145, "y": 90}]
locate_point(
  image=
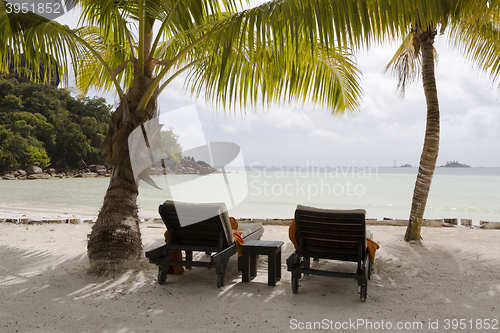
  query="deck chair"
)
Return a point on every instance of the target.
[
  {"x": 330, "y": 234},
  {"x": 211, "y": 235}
]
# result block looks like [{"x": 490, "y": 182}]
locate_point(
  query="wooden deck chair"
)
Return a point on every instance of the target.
[
  {"x": 212, "y": 235},
  {"x": 330, "y": 234}
]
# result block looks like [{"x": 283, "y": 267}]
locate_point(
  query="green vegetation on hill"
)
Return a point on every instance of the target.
[
  {"x": 45, "y": 126},
  {"x": 170, "y": 145},
  {"x": 455, "y": 164}
]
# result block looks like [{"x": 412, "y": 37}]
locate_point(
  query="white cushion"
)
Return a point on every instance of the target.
[
  {"x": 337, "y": 211},
  {"x": 248, "y": 228}
]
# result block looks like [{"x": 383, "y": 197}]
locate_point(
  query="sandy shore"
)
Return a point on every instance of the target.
[
  {"x": 454, "y": 274},
  {"x": 42, "y": 213}
]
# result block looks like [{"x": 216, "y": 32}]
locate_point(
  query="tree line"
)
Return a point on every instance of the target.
[{"x": 45, "y": 126}]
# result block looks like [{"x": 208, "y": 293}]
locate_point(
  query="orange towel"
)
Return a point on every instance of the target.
[
  {"x": 238, "y": 240},
  {"x": 177, "y": 255},
  {"x": 292, "y": 234},
  {"x": 234, "y": 223},
  {"x": 237, "y": 235},
  {"x": 372, "y": 247}
]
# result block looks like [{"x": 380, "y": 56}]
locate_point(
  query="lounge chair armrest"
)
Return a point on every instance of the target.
[
  {"x": 369, "y": 234},
  {"x": 224, "y": 255},
  {"x": 159, "y": 252},
  {"x": 292, "y": 261}
]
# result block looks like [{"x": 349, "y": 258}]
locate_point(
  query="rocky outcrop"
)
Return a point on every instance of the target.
[
  {"x": 34, "y": 172},
  {"x": 19, "y": 172},
  {"x": 87, "y": 175},
  {"x": 39, "y": 176},
  {"x": 33, "y": 169},
  {"x": 50, "y": 171},
  {"x": 187, "y": 165},
  {"x": 99, "y": 169}
]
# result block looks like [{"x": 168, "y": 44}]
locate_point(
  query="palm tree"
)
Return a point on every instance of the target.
[
  {"x": 312, "y": 28},
  {"x": 300, "y": 46},
  {"x": 417, "y": 52},
  {"x": 474, "y": 26},
  {"x": 420, "y": 44},
  {"x": 138, "y": 47}
]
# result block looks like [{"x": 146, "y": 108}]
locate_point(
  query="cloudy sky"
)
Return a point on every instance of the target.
[{"x": 385, "y": 130}]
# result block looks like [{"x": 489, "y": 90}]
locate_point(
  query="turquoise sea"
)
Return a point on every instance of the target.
[{"x": 274, "y": 192}]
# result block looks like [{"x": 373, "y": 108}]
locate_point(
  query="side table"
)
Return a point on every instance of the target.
[{"x": 251, "y": 249}]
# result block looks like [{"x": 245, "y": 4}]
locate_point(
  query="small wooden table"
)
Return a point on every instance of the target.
[{"x": 251, "y": 249}]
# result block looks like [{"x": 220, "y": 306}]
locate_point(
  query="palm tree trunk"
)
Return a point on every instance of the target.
[
  {"x": 431, "y": 141},
  {"x": 115, "y": 241}
]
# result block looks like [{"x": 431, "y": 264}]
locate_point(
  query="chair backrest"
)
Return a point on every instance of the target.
[
  {"x": 212, "y": 231},
  {"x": 331, "y": 234}
]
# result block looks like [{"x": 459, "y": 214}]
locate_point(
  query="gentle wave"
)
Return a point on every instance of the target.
[{"x": 472, "y": 193}]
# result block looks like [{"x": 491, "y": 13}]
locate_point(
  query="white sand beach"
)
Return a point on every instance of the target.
[{"x": 453, "y": 275}]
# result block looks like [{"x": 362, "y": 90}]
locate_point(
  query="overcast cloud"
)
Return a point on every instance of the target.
[{"x": 385, "y": 129}]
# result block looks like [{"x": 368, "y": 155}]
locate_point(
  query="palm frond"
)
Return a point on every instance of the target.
[
  {"x": 480, "y": 43},
  {"x": 91, "y": 72},
  {"x": 233, "y": 74},
  {"x": 112, "y": 17},
  {"x": 406, "y": 64},
  {"x": 43, "y": 43}
]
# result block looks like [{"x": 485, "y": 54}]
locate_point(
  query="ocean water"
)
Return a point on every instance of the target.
[{"x": 274, "y": 192}]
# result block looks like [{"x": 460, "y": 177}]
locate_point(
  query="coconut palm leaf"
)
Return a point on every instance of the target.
[
  {"x": 93, "y": 73},
  {"x": 406, "y": 64},
  {"x": 329, "y": 78},
  {"x": 40, "y": 40},
  {"x": 480, "y": 43}
]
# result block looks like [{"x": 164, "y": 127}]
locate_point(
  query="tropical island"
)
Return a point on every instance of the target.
[{"x": 454, "y": 164}]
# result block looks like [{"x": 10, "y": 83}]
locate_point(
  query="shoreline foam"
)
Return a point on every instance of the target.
[{"x": 37, "y": 217}]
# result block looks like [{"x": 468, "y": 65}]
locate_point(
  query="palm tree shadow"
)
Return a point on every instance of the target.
[
  {"x": 23, "y": 267},
  {"x": 36, "y": 284},
  {"x": 39, "y": 284},
  {"x": 454, "y": 277}
]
